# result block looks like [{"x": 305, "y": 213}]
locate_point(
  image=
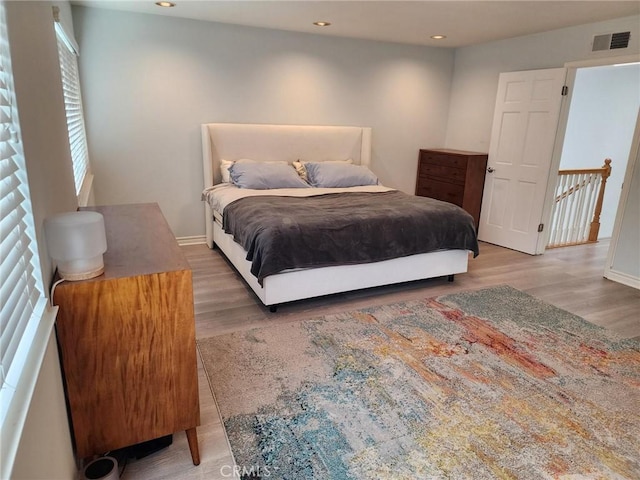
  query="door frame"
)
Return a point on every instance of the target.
[
  {"x": 572, "y": 68},
  {"x": 632, "y": 164}
]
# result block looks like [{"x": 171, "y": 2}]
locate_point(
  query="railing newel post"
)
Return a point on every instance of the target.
[{"x": 595, "y": 223}]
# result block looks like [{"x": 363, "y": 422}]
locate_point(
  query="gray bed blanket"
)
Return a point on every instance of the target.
[{"x": 281, "y": 233}]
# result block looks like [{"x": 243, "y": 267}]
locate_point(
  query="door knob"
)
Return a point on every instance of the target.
[{"x": 491, "y": 170}]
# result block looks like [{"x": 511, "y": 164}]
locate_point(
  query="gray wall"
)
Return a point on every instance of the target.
[
  {"x": 45, "y": 448},
  {"x": 149, "y": 81},
  {"x": 478, "y": 67}
]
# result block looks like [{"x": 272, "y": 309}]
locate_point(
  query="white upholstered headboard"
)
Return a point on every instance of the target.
[
  {"x": 311, "y": 143},
  {"x": 259, "y": 142}
]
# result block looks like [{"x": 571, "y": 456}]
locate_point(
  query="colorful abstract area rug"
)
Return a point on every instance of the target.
[{"x": 478, "y": 385}]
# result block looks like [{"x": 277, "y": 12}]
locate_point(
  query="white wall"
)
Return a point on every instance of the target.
[
  {"x": 475, "y": 81},
  {"x": 149, "y": 81},
  {"x": 45, "y": 448},
  {"x": 602, "y": 118}
]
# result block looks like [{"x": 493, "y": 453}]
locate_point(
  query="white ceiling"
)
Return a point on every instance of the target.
[{"x": 413, "y": 22}]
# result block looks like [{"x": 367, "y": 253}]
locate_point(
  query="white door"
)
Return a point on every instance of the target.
[{"x": 522, "y": 139}]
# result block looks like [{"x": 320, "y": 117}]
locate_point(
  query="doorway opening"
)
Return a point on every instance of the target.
[{"x": 600, "y": 125}]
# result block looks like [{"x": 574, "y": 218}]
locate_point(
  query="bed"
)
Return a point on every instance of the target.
[{"x": 223, "y": 143}]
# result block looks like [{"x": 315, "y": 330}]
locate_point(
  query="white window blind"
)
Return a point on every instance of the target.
[
  {"x": 67, "y": 54},
  {"x": 21, "y": 299}
]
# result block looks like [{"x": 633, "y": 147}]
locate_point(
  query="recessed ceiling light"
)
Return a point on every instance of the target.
[
  {"x": 165, "y": 4},
  {"x": 321, "y": 24},
  {"x": 438, "y": 37}
]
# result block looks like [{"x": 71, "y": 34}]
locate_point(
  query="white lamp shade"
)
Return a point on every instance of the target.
[{"x": 76, "y": 241}]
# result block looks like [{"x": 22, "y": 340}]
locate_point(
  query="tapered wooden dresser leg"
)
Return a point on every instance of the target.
[{"x": 192, "y": 438}]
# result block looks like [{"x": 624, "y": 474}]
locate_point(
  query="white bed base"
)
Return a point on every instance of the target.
[{"x": 312, "y": 143}]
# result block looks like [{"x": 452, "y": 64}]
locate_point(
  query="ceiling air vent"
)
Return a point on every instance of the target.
[
  {"x": 620, "y": 40},
  {"x": 611, "y": 41}
]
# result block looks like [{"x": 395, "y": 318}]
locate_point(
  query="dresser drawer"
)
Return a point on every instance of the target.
[
  {"x": 441, "y": 172},
  {"x": 435, "y": 158},
  {"x": 446, "y": 192}
]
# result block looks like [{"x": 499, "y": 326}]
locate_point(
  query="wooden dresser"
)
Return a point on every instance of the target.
[
  {"x": 127, "y": 338},
  {"x": 453, "y": 176}
]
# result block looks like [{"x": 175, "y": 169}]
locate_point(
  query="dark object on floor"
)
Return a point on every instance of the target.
[
  {"x": 104, "y": 468},
  {"x": 141, "y": 450}
]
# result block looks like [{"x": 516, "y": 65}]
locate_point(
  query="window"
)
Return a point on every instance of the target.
[
  {"x": 21, "y": 298},
  {"x": 67, "y": 54},
  {"x": 25, "y": 320}
]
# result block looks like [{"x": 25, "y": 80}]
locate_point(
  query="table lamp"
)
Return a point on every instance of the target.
[{"x": 76, "y": 242}]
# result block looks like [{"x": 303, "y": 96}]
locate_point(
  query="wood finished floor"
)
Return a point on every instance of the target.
[{"x": 570, "y": 278}]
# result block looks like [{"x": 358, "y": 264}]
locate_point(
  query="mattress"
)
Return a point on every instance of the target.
[{"x": 350, "y": 226}]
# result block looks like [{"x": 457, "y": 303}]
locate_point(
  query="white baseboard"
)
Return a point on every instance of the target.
[
  {"x": 623, "y": 278},
  {"x": 195, "y": 240}
]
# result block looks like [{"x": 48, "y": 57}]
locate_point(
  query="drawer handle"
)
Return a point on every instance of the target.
[{"x": 491, "y": 170}]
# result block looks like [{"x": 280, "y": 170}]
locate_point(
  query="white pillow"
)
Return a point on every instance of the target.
[
  {"x": 302, "y": 171},
  {"x": 225, "y": 165}
]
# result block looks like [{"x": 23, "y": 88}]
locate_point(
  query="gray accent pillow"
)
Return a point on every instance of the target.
[
  {"x": 299, "y": 166},
  {"x": 264, "y": 176},
  {"x": 338, "y": 175}
]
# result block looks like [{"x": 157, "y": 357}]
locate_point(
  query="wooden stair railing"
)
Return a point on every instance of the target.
[{"x": 575, "y": 217}]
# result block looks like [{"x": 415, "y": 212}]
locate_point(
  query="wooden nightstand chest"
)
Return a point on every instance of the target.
[
  {"x": 127, "y": 338},
  {"x": 453, "y": 176}
]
